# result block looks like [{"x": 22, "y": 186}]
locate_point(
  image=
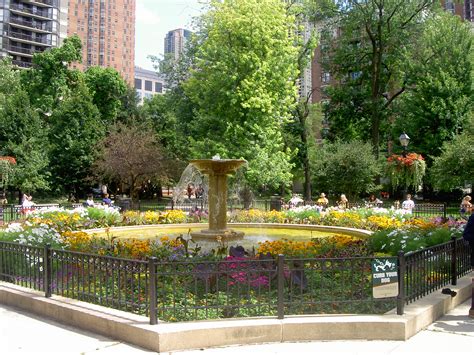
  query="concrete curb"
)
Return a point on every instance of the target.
[{"x": 164, "y": 337}]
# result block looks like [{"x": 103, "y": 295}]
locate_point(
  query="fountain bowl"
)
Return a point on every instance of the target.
[{"x": 218, "y": 166}]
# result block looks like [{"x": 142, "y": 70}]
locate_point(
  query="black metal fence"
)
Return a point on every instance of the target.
[
  {"x": 235, "y": 287},
  {"x": 10, "y": 213}
]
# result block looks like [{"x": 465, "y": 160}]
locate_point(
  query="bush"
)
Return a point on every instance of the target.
[{"x": 345, "y": 168}]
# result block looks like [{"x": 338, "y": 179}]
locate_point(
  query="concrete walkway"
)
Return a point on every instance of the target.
[{"x": 24, "y": 333}]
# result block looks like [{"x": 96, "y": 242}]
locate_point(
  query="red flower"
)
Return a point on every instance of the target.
[{"x": 11, "y": 160}]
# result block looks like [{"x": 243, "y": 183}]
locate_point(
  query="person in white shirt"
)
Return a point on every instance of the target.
[
  {"x": 90, "y": 201},
  {"x": 27, "y": 201},
  {"x": 408, "y": 204}
]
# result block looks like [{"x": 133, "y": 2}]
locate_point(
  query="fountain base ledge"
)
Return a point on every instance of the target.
[{"x": 214, "y": 235}]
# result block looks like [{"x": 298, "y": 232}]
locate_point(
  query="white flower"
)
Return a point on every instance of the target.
[{"x": 14, "y": 228}]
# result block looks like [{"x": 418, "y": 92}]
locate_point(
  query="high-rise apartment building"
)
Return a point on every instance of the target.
[
  {"x": 107, "y": 31},
  {"x": 464, "y": 9},
  {"x": 175, "y": 41},
  {"x": 30, "y": 26}
]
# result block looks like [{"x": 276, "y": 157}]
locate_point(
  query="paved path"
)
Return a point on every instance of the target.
[{"x": 23, "y": 333}]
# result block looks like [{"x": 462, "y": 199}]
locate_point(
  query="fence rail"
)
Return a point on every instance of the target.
[
  {"x": 10, "y": 213},
  {"x": 235, "y": 287}
]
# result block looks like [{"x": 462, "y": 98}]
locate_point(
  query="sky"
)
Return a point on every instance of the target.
[{"x": 154, "y": 18}]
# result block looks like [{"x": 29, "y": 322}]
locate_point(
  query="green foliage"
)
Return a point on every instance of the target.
[
  {"x": 348, "y": 168},
  {"x": 243, "y": 84},
  {"x": 369, "y": 61},
  {"x": 159, "y": 111},
  {"x": 412, "y": 239},
  {"x": 107, "y": 88},
  {"x": 50, "y": 78},
  {"x": 455, "y": 164},
  {"x": 74, "y": 131},
  {"x": 22, "y": 134},
  {"x": 440, "y": 75}
]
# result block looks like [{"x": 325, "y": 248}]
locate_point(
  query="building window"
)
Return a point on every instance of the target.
[
  {"x": 148, "y": 85},
  {"x": 325, "y": 77},
  {"x": 158, "y": 87},
  {"x": 138, "y": 84},
  {"x": 449, "y": 5}
]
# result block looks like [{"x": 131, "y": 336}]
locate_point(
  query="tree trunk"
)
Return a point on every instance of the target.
[{"x": 159, "y": 192}]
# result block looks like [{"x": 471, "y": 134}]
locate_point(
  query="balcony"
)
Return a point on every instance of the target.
[
  {"x": 44, "y": 3},
  {"x": 32, "y": 25},
  {"x": 22, "y": 37},
  {"x": 42, "y": 14},
  {"x": 21, "y": 63},
  {"x": 20, "y": 50}
]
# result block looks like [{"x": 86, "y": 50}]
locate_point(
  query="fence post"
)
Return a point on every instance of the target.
[
  {"x": 401, "y": 283},
  {"x": 280, "y": 285},
  {"x": 445, "y": 210},
  {"x": 152, "y": 289},
  {"x": 266, "y": 205},
  {"x": 454, "y": 262},
  {"x": 47, "y": 270},
  {"x": 172, "y": 204}
]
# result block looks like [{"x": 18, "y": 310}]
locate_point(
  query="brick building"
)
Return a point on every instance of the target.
[{"x": 107, "y": 31}]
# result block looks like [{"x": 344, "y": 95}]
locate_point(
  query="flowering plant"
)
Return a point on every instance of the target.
[
  {"x": 406, "y": 170},
  {"x": 6, "y": 169}
]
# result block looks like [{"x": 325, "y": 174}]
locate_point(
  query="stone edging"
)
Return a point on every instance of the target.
[{"x": 164, "y": 337}]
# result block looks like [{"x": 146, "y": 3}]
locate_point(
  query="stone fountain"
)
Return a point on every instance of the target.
[{"x": 217, "y": 169}]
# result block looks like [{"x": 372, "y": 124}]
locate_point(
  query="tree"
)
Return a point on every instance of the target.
[
  {"x": 159, "y": 112},
  {"x": 131, "y": 155},
  {"x": 348, "y": 168},
  {"x": 368, "y": 59},
  {"x": 454, "y": 167},
  {"x": 22, "y": 133},
  {"x": 107, "y": 88},
  {"x": 441, "y": 96},
  {"x": 75, "y": 129},
  {"x": 50, "y": 78},
  {"x": 243, "y": 84}
]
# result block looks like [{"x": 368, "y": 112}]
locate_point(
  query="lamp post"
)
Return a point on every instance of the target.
[{"x": 404, "y": 140}]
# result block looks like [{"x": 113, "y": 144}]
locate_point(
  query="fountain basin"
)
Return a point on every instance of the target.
[{"x": 254, "y": 232}]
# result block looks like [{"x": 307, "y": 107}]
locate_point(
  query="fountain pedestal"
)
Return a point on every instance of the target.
[{"x": 217, "y": 170}]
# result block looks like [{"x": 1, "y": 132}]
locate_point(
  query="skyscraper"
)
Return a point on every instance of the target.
[
  {"x": 464, "y": 9},
  {"x": 175, "y": 41},
  {"x": 107, "y": 31},
  {"x": 30, "y": 26}
]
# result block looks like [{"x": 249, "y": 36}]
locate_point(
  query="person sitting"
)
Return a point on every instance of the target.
[
  {"x": 106, "y": 200},
  {"x": 90, "y": 201},
  {"x": 322, "y": 200},
  {"x": 294, "y": 201},
  {"x": 374, "y": 201},
  {"x": 408, "y": 204},
  {"x": 466, "y": 205},
  {"x": 343, "y": 202}
]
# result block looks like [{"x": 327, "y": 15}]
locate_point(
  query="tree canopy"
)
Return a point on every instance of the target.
[{"x": 243, "y": 83}]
